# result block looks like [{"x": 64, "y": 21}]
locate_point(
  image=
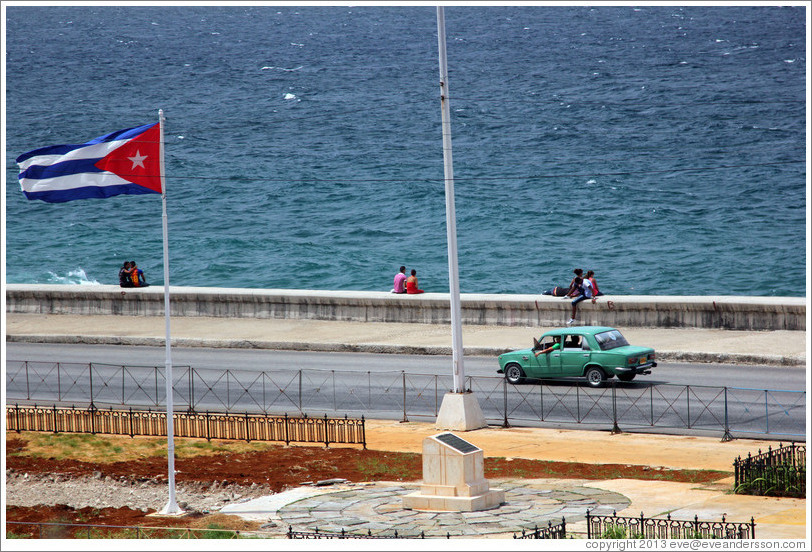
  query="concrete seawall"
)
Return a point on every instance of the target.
[{"x": 716, "y": 312}]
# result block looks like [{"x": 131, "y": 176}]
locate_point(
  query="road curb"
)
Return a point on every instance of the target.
[{"x": 664, "y": 356}]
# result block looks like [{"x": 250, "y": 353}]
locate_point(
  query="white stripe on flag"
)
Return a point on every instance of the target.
[{"x": 80, "y": 180}]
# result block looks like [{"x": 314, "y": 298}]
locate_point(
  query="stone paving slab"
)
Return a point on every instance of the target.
[{"x": 379, "y": 509}]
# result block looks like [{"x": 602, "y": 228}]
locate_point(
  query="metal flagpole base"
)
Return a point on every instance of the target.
[
  {"x": 171, "y": 509},
  {"x": 460, "y": 412}
]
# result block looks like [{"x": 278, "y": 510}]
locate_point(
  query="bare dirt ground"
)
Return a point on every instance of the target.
[{"x": 36, "y": 483}]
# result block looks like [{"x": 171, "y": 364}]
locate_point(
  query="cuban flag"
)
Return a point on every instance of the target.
[{"x": 123, "y": 162}]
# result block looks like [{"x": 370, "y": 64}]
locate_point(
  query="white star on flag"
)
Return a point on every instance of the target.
[{"x": 138, "y": 160}]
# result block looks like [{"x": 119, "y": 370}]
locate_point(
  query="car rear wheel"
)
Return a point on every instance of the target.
[
  {"x": 595, "y": 376},
  {"x": 514, "y": 374},
  {"x": 626, "y": 377}
]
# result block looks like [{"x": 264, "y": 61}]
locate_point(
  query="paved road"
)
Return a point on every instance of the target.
[
  {"x": 402, "y": 387},
  {"x": 717, "y": 375}
]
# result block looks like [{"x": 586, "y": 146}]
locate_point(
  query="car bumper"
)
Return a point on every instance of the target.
[{"x": 642, "y": 369}]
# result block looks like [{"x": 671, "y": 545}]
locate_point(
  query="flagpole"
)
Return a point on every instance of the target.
[
  {"x": 460, "y": 409},
  {"x": 451, "y": 224},
  {"x": 171, "y": 506}
]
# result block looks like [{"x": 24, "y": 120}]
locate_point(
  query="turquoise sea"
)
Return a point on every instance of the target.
[{"x": 663, "y": 147}]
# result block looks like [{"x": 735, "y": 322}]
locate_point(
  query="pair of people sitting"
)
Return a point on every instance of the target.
[
  {"x": 404, "y": 284},
  {"x": 131, "y": 276}
]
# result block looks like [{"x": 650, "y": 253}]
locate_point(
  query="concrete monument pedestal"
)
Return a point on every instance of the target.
[
  {"x": 460, "y": 412},
  {"x": 453, "y": 478}
]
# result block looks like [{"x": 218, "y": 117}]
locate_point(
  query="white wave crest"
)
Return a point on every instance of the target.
[{"x": 73, "y": 277}]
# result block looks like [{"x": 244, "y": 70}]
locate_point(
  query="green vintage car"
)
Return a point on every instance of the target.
[{"x": 594, "y": 352}]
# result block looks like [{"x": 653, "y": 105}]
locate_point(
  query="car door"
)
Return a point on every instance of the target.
[
  {"x": 547, "y": 364},
  {"x": 573, "y": 355}
]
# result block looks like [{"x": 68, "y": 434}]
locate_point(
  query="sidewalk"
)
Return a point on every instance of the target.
[{"x": 774, "y": 518}]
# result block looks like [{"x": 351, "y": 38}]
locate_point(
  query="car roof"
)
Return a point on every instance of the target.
[{"x": 579, "y": 330}]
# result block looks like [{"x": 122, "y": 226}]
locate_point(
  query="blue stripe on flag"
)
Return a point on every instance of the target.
[
  {"x": 124, "y": 134},
  {"x": 65, "y": 168}
]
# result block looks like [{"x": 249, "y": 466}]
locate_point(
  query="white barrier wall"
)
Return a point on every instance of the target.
[{"x": 725, "y": 312}]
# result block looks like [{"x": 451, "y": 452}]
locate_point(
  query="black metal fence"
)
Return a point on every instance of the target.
[
  {"x": 558, "y": 531},
  {"x": 45, "y": 530},
  {"x": 777, "y": 472},
  {"x": 397, "y": 394},
  {"x": 618, "y": 527},
  {"x": 208, "y": 425},
  {"x": 316, "y": 534}
]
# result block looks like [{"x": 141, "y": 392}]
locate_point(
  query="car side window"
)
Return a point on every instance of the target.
[{"x": 572, "y": 342}]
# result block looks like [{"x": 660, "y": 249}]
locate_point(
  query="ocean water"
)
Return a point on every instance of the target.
[{"x": 662, "y": 147}]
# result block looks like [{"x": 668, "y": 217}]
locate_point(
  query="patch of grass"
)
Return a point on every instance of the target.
[
  {"x": 396, "y": 466},
  {"x": 105, "y": 449}
]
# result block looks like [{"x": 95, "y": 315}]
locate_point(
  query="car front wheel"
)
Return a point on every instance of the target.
[
  {"x": 514, "y": 374},
  {"x": 595, "y": 377}
]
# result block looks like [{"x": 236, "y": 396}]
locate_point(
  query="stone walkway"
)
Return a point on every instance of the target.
[{"x": 377, "y": 508}]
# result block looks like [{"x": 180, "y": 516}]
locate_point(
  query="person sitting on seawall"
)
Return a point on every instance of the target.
[
  {"x": 590, "y": 275},
  {"x": 137, "y": 276},
  {"x": 575, "y": 288},
  {"x": 584, "y": 292},
  {"x": 411, "y": 283},
  {"x": 555, "y": 346},
  {"x": 400, "y": 281},
  {"x": 125, "y": 275}
]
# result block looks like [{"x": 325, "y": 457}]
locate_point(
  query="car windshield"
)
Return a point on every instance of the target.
[{"x": 610, "y": 340}]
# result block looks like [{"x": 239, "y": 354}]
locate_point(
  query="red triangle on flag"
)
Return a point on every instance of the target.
[{"x": 138, "y": 160}]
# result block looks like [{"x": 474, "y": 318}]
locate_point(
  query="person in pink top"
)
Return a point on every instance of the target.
[{"x": 400, "y": 281}]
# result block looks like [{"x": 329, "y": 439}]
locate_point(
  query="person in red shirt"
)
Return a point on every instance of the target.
[{"x": 411, "y": 283}]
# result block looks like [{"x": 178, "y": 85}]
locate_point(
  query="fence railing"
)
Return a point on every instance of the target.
[
  {"x": 208, "y": 425},
  {"x": 777, "y": 472},
  {"x": 558, "y": 531},
  {"x": 402, "y": 395},
  {"x": 615, "y": 526},
  {"x": 46, "y": 530},
  {"x": 316, "y": 534}
]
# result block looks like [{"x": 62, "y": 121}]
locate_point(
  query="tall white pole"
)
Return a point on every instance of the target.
[
  {"x": 450, "y": 217},
  {"x": 171, "y": 506}
]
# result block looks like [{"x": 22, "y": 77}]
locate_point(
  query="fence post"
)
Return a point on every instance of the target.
[
  {"x": 335, "y": 404},
  {"x": 287, "y": 436},
  {"x": 326, "y": 436},
  {"x": 300, "y": 391},
  {"x": 766, "y": 413},
  {"x": 28, "y": 385},
  {"x": 727, "y": 436},
  {"x": 58, "y": 381},
  {"x": 752, "y": 528},
  {"x": 578, "y": 403},
  {"x": 208, "y": 426},
  {"x": 403, "y": 377},
  {"x": 90, "y": 371},
  {"x": 688, "y": 398},
  {"x": 247, "y": 429},
  {"x": 17, "y": 416},
  {"x": 615, "y": 428},
  {"x": 192, "y": 390},
  {"x": 132, "y": 434},
  {"x": 588, "y": 525},
  {"x": 363, "y": 432},
  {"x": 56, "y": 430},
  {"x": 504, "y": 393}
]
